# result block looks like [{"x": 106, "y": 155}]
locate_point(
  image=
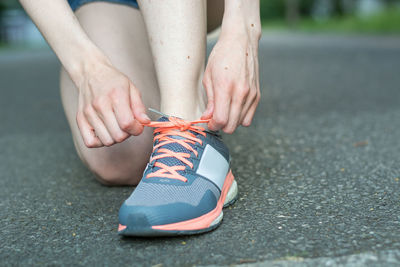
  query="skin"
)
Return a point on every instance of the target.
[
  {"x": 121, "y": 163},
  {"x": 232, "y": 79},
  {"x": 118, "y": 60},
  {"x": 177, "y": 32}
]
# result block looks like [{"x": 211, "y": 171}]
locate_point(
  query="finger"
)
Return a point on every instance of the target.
[
  {"x": 106, "y": 113},
  {"x": 221, "y": 110},
  {"x": 207, "y": 114},
  {"x": 88, "y": 135},
  {"x": 98, "y": 126},
  {"x": 111, "y": 123},
  {"x": 250, "y": 114},
  {"x": 253, "y": 99},
  {"x": 249, "y": 102},
  {"x": 124, "y": 115},
  {"x": 138, "y": 108},
  {"x": 238, "y": 101}
]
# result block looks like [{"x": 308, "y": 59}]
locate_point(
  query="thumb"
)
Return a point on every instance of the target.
[
  {"x": 138, "y": 108},
  {"x": 207, "y": 114}
]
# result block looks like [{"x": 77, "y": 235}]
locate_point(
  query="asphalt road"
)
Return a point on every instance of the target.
[{"x": 318, "y": 172}]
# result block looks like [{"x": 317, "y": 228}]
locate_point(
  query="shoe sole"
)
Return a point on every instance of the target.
[{"x": 202, "y": 224}]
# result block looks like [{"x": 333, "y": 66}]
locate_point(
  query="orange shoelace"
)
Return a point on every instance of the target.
[{"x": 174, "y": 127}]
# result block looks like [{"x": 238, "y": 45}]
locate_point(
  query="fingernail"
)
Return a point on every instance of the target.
[{"x": 145, "y": 117}]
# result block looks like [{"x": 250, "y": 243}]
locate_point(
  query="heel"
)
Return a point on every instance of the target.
[{"x": 232, "y": 194}]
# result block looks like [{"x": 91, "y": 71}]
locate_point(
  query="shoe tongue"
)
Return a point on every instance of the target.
[
  {"x": 176, "y": 147},
  {"x": 163, "y": 118}
]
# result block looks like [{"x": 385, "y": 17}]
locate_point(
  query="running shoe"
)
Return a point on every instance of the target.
[{"x": 185, "y": 185}]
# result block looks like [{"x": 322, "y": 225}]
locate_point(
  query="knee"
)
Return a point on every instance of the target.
[
  {"x": 122, "y": 164},
  {"x": 114, "y": 174}
]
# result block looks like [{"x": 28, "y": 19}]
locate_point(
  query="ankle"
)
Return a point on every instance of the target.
[
  {"x": 186, "y": 112},
  {"x": 188, "y": 107}
]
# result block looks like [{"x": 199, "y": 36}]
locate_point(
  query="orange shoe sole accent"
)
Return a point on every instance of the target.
[{"x": 205, "y": 220}]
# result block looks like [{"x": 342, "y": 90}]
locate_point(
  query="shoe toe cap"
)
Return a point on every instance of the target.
[{"x": 147, "y": 216}]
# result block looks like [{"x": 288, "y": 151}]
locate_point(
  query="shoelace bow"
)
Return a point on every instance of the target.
[{"x": 174, "y": 127}]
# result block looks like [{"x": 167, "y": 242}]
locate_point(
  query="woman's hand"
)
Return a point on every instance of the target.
[
  {"x": 231, "y": 78},
  {"x": 110, "y": 107}
]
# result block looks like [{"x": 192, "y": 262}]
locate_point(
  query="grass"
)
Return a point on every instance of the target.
[{"x": 386, "y": 22}]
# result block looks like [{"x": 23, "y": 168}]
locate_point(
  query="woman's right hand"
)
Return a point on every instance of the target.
[{"x": 110, "y": 107}]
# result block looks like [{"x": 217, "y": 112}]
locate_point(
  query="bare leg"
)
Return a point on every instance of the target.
[
  {"x": 120, "y": 32},
  {"x": 177, "y": 33}
]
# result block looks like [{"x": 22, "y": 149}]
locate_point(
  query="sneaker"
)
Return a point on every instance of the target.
[{"x": 185, "y": 185}]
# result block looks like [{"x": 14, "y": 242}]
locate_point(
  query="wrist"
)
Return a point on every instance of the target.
[
  {"x": 242, "y": 17},
  {"x": 82, "y": 60}
]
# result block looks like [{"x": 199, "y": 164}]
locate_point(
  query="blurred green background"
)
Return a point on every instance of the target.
[
  {"x": 343, "y": 16},
  {"x": 357, "y": 16}
]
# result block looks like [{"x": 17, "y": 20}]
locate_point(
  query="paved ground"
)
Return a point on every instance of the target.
[{"x": 318, "y": 172}]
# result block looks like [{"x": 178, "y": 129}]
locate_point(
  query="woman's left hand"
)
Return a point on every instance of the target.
[{"x": 231, "y": 80}]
